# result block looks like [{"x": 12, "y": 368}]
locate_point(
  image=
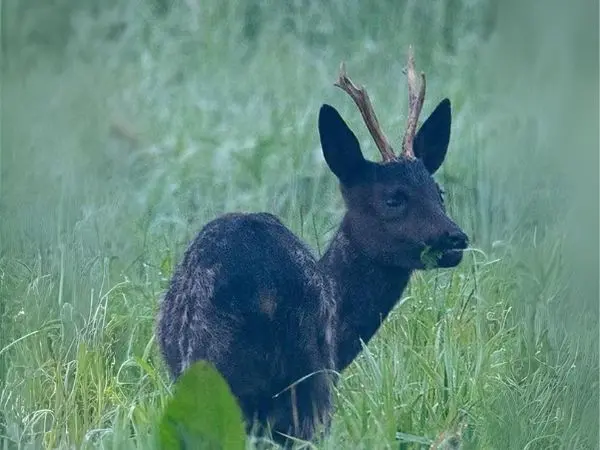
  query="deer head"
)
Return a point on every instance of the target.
[{"x": 395, "y": 209}]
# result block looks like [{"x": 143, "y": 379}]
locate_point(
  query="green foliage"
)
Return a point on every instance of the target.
[
  {"x": 127, "y": 125},
  {"x": 203, "y": 414},
  {"x": 430, "y": 257}
]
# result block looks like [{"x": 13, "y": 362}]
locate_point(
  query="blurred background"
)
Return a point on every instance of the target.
[{"x": 126, "y": 125}]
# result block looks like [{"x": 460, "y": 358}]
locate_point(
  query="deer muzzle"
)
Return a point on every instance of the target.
[{"x": 446, "y": 250}]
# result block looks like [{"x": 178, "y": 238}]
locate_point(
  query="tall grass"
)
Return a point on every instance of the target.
[{"x": 127, "y": 125}]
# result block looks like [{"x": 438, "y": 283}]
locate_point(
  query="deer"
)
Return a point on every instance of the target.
[{"x": 279, "y": 323}]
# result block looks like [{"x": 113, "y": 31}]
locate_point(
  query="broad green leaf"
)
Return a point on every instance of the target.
[{"x": 202, "y": 414}]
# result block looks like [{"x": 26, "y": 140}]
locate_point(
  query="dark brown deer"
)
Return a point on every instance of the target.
[{"x": 250, "y": 297}]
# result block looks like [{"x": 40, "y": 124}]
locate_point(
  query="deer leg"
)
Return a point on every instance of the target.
[{"x": 303, "y": 408}]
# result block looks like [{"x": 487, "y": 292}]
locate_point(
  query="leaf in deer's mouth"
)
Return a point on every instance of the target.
[{"x": 430, "y": 257}]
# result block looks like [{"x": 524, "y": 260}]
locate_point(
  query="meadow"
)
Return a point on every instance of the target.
[{"x": 127, "y": 125}]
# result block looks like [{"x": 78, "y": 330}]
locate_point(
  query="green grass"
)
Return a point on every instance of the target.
[{"x": 127, "y": 126}]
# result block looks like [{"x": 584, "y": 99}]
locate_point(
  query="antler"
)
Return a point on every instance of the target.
[
  {"x": 362, "y": 100},
  {"x": 416, "y": 96}
]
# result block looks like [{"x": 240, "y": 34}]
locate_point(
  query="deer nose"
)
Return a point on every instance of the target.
[
  {"x": 457, "y": 240},
  {"x": 452, "y": 240}
]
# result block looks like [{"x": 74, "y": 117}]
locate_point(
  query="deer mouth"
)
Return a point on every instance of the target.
[
  {"x": 432, "y": 257},
  {"x": 450, "y": 258},
  {"x": 445, "y": 251}
]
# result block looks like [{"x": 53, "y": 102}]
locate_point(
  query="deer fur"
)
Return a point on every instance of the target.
[{"x": 251, "y": 298}]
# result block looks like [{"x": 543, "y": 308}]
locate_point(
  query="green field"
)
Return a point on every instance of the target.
[{"x": 127, "y": 125}]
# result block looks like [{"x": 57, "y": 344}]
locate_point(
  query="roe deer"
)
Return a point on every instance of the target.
[{"x": 250, "y": 297}]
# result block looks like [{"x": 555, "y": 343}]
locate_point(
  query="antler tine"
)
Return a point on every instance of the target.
[
  {"x": 362, "y": 100},
  {"x": 416, "y": 97}
]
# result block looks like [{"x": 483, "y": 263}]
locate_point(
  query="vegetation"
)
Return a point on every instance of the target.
[{"x": 128, "y": 125}]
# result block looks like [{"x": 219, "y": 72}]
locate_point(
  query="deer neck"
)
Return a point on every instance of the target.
[{"x": 367, "y": 292}]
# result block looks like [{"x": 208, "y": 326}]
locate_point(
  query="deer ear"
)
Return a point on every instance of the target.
[
  {"x": 340, "y": 146},
  {"x": 431, "y": 142}
]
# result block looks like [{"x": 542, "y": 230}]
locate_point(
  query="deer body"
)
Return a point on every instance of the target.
[{"x": 251, "y": 298}]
